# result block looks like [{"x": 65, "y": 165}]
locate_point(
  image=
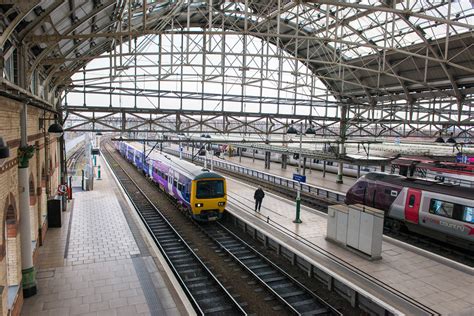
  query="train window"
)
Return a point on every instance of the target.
[
  {"x": 441, "y": 208},
  {"x": 411, "y": 201},
  {"x": 210, "y": 189},
  {"x": 175, "y": 183},
  {"x": 468, "y": 215}
]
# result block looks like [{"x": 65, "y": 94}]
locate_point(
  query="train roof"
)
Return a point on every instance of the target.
[
  {"x": 423, "y": 184},
  {"x": 186, "y": 168}
]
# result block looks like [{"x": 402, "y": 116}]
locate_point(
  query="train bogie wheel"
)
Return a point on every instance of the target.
[{"x": 396, "y": 226}]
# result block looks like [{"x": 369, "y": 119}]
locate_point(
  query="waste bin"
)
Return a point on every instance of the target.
[{"x": 54, "y": 211}]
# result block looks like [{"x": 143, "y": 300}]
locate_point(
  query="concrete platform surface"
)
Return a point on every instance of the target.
[
  {"x": 429, "y": 282},
  {"x": 98, "y": 263}
]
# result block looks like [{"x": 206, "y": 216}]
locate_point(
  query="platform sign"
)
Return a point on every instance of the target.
[{"x": 299, "y": 177}]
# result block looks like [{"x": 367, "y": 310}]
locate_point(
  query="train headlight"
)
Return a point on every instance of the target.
[
  {"x": 221, "y": 203},
  {"x": 199, "y": 204}
]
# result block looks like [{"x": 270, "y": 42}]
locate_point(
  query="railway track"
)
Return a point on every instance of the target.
[
  {"x": 204, "y": 290},
  {"x": 72, "y": 160},
  {"x": 412, "y": 238},
  {"x": 278, "y": 290},
  {"x": 297, "y": 298}
]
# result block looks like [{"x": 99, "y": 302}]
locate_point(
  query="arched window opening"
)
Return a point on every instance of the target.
[
  {"x": 32, "y": 190},
  {"x": 12, "y": 244}
]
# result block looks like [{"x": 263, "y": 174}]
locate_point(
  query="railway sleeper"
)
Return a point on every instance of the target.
[
  {"x": 275, "y": 285},
  {"x": 268, "y": 279},
  {"x": 178, "y": 252},
  {"x": 301, "y": 303},
  {"x": 187, "y": 265},
  {"x": 248, "y": 257},
  {"x": 171, "y": 240},
  {"x": 197, "y": 279},
  {"x": 217, "y": 309},
  {"x": 263, "y": 273},
  {"x": 317, "y": 311},
  {"x": 204, "y": 291},
  {"x": 239, "y": 251},
  {"x": 294, "y": 293},
  {"x": 257, "y": 266},
  {"x": 201, "y": 286},
  {"x": 213, "y": 299},
  {"x": 174, "y": 247}
]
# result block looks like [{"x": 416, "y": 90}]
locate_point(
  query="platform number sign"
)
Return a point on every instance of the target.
[{"x": 299, "y": 177}]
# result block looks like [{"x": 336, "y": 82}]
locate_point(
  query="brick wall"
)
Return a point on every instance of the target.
[{"x": 10, "y": 265}]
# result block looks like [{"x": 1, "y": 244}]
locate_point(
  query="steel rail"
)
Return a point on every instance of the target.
[
  {"x": 297, "y": 297},
  {"x": 207, "y": 295}
]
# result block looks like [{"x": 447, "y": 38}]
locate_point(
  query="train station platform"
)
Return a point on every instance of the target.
[
  {"x": 405, "y": 281},
  {"x": 101, "y": 263},
  {"x": 313, "y": 176}
]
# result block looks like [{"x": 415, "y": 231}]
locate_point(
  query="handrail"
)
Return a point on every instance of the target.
[{"x": 320, "y": 192}]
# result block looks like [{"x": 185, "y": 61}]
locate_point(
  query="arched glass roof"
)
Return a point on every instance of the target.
[
  {"x": 363, "y": 50},
  {"x": 233, "y": 73},
  {"x": 390, "y": 62}
]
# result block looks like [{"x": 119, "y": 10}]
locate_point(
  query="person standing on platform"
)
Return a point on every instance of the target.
[{"x": 258, "y": 196}]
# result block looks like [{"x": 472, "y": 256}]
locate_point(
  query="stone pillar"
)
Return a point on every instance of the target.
[{"x": 25, "y": 152}]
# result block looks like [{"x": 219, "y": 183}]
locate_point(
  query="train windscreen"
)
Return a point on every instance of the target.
[{"x": 209, "y": 189}]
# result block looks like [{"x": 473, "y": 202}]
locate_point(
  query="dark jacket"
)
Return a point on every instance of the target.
[{"x": 259, "y": 194}]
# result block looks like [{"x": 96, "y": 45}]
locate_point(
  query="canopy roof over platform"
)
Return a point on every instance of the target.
[{"x": 389, "y": 63}]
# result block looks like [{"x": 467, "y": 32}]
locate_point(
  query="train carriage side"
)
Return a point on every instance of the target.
[
  {"x": 450, "y": 215},
  {"x": 432, "y": 209}
]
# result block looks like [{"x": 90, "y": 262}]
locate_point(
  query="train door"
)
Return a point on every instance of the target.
[
  {"x": 412, "y": 205},
  {"x": 170, "y": 182}
]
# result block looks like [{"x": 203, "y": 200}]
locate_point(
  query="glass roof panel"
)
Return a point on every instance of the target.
[{"x": 389, "y": 28}]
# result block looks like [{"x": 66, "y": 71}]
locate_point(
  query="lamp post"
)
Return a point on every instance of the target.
[{"x": 299, "y": 177}]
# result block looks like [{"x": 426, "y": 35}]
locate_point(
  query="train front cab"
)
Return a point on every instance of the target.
[{"x": 208, "y": 197}]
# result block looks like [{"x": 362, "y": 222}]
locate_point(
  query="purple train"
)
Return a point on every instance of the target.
[
  {"x": 198, "y": 191},
  {"x": 438, "y": 210}
]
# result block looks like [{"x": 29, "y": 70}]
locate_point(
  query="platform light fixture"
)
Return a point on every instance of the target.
[
  {"x": 4, "y": 152},
  {"x": 292, "y": 130},
  {"x": 310, "y": 130},
  {"x": 55, "y": 130}
]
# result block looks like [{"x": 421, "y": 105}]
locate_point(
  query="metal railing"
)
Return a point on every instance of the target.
[{"x": 310, "y": 189}]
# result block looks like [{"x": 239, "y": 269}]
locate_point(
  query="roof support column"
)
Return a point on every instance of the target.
[
  {"x": 25, "y": 152},
  {"x": 342, "y": 146}
]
